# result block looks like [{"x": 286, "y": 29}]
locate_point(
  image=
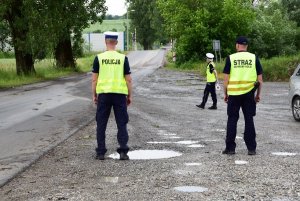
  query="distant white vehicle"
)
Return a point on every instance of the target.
[{"x": 294, "y": 93}]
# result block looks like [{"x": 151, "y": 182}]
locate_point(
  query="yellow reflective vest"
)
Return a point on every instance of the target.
[
  {"x": 111, "y": 77},
  {"x": 243, "y": 73},
  {"x": 210, "y": 77}
]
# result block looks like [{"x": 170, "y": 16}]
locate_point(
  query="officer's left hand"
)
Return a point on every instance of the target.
[
  {"x": 95, "y": 99},
  {"x": 226, "y": 98}
]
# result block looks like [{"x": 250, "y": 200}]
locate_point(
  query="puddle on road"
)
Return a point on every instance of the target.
[
  {"x": 191, "y": 189},
  {"x": 196, "y": 145},
  {"x": 239, "y": 162},
  {"x": 220, "y": 130},
  {"x": 192, "y": 164},
  {"x": 187, "y": 142},
  {"x": 148, "y": 154},
  {"x": 238, "y": 137},
  {"x": 284, "y": 154}
]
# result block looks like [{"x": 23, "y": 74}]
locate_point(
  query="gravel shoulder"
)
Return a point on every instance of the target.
[{"x": 164, "y": 117}]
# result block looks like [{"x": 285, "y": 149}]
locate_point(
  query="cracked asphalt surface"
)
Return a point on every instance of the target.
[{"x": 163, "y": 116}]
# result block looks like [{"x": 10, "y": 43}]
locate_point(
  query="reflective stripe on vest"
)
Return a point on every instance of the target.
[
  {"x": 210, "y": 77},
  {"x": 242, "y": 73},
  {"x": 111, "y": 77}
]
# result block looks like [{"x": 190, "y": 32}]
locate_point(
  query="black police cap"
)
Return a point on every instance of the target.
[{"x": 242, "y": 40}]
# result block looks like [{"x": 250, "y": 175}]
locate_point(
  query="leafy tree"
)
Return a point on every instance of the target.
[
  {"x": 4, "y": 37},
  {"x": 272, "y": 32},
  {"x": 68, "y": 19},
  {"x": 195, "y": 23},
  {"x": 236, "y": 20},
  {"x": 12, "y": 12},
  {"x": 145, "y": 18},
  {"x": 37, "y": 27},
  {"x": 293, "y": 11}
]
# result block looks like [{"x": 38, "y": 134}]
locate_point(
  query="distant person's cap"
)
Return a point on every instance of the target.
[
  {"x": 111, "y": 35},
  {"x": 209, "y": 55},
  {"x": 242, "y": 40}
]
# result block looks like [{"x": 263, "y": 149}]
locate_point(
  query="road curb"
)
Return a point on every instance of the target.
[{"x": 36, "y": 158}]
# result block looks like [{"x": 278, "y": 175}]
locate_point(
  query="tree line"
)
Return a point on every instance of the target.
[
  {"x": 271, "y": 25},
  {"x": 35, "y": 28}
]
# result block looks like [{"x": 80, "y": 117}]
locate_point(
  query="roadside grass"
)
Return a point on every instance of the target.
[
  {"x": 198, "y": 67},
  {"x": 276, "y": 69},
  {"x": 279, "y": 68},
  {"x": 45, "y": 70}
]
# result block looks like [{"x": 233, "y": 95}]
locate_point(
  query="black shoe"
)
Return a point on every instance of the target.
[
  {"x": 200, "y": 106},
  {"x": 212, "y": 107},
  {"x": 124, "y": 156},
  {"x": 228, "y": 152},
  {"x": 100, "y": 157},
  {"x": 252, "y": 152}
]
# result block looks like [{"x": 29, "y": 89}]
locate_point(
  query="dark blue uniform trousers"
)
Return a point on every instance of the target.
[
  {"x": 118, "y": 103},
  {"x": 209, "y": 88},
  {"x": 248, "y": 105}
]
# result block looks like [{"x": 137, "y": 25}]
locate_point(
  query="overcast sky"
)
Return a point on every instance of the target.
[{"x": 116, "y": 7}]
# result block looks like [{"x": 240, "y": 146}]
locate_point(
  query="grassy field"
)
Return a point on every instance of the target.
[
  {"x": 45, "y": 70},
  {"x": 107, "y": 25},
  {"x": 275, "y": 69}
]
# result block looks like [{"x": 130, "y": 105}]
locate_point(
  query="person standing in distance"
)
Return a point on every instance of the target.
[
  {"x": 242, "y": 76},
  {"x": 212, "y": 78},
  {"x": 111, "y": 88}
]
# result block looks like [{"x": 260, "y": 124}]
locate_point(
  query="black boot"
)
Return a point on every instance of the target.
[
  {"x": 213, "y": 107},
  {"x": 124, "y": 156},
  {"x": 200, "y": 106}
]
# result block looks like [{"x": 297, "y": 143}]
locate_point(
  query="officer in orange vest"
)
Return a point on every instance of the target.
[
  {"x": 211, "y": 80},
  {"x": 242, "y": 76},
  {"x": 111, "y": 88}
]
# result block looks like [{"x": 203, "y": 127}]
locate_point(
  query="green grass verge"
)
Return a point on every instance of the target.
[
  {"x": 275, "y": 69},
  {"x": 45, "y": 70},
  {"x": 279, "y": 68}
]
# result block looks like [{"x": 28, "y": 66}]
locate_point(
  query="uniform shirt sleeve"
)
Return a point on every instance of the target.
[
  {"x": 126, "y": 67},
  {"x": 95, "y": 65},
  {"x": 259, "y": 69},
  {"x": 226, "y": 69},
  {"x": 211, "y": 68}
]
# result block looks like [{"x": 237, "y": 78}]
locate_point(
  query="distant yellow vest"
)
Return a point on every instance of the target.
[
  {"x": 111, "y": 77},
  {"x": 243, "y": 73},
  {"x": 210, "y": 77}
]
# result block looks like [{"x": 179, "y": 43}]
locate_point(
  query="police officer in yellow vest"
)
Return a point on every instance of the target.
[
  {"x": 242, "y": 76},
  {"x": 212, "y": 78},
  {"x": 111, "y": 88}
]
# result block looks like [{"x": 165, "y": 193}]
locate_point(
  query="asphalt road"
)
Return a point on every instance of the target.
[
  {"x": 175, "y": 150},
  {"x": 35, "y": 118}
]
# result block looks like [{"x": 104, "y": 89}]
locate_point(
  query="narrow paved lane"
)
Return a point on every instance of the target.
[{"x": 35, "y": 118}]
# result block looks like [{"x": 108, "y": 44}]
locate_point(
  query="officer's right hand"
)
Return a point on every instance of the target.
[
  {"x": 95, "y": 99},
  {"x": 257, "y": 98}
]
